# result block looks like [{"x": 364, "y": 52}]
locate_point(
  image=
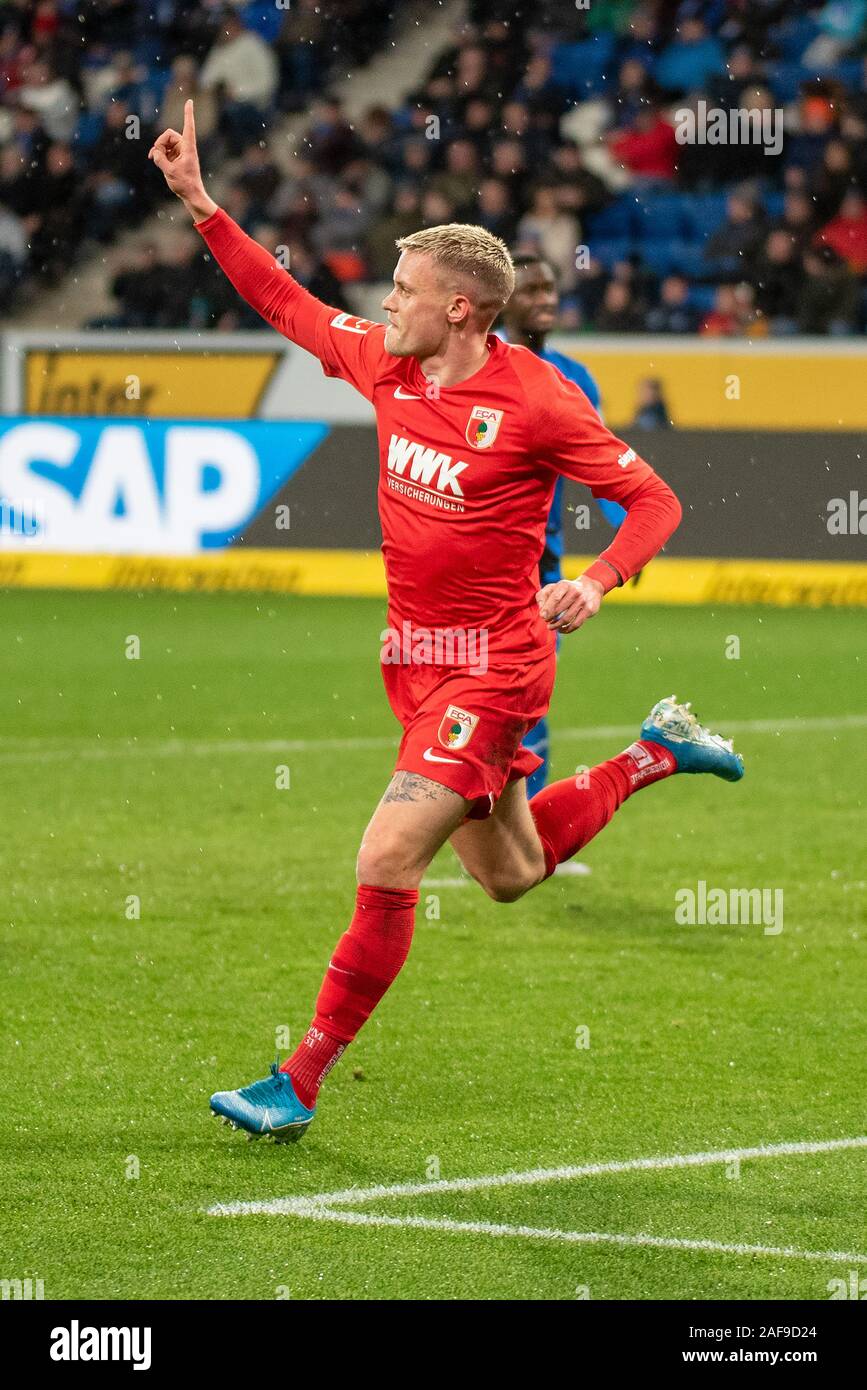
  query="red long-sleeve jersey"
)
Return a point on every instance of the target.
[{"x": 467, "y": 472}]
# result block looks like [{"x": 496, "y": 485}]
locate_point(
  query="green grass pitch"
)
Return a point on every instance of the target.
[{"x": 155, "y": 779}]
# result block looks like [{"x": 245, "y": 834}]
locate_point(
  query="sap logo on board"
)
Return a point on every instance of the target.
[{"x": 151, "y": 487}]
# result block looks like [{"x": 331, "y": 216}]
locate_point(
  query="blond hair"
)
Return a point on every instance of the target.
[{"x": 479, "y": 259}]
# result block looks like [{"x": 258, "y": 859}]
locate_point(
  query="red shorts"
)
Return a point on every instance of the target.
[{"x": 464, "y": 730}]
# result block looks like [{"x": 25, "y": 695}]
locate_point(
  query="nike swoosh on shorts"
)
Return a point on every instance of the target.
[{"x": 431, "y": 757}]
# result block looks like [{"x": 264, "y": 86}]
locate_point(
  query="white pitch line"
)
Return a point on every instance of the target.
[
  {"x": 488, "y": 1228},
  {"x": 326, "y": 1206},
  {"x": 290, "y": 1206},
  {"x": 45, "y": 750}
]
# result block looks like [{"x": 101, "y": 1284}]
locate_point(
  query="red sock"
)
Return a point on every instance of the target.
[
  {"x": 366, "y": 960},
  {"x": 568, "y": 814}
]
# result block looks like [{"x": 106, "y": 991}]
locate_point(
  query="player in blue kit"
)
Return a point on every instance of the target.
[{"x": 527, "y": 320}]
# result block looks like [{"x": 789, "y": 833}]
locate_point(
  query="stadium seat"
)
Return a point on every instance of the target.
[
  {"x": 723, "y": 268},
  {"x": 785, "y": 81},
  {"x": 793, "y": 36},
  {"x": 704, "y": 214},
  {"x": 88, "y": 129},
  {"x": 689, "y": 259},
  {"x": 265, "y": 17},
  {"x": 657, "y": 256},
  {"x": 660, "y": 217},
  {"x": 615, "y": 220},
  {"x": 850, "y": 73},
  {"x": 611, "y": 250},
  {"x": 701, "y": 298},
  {"x": 149, "y": 52},
  {"x": 583, "y": 69}
]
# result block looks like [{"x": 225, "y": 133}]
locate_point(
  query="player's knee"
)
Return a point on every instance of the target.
[
  {"x": 507, "y": 888},
  {"x": 504, "y": 892},
  {"x": 388, "y": 863}
]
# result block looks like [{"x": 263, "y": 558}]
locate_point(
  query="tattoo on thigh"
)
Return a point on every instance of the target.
[{"x": 411, "y": 786}]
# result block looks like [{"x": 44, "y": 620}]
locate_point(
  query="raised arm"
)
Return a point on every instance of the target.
[
  {"x": 347, "y": 346},
  {"x": 254, "y": 272}
]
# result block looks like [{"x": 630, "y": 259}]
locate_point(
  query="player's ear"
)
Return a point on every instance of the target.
[{"x": 459, "y": 311}]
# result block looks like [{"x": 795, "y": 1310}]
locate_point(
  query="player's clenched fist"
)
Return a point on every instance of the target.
[
  {"x": 570, "y": 602},
  {"x": 178, "y": 159}
]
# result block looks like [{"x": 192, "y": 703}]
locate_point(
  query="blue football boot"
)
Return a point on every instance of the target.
[
  {"x": 695, "y": 748},
  {"x": 265, "y": 1108}
]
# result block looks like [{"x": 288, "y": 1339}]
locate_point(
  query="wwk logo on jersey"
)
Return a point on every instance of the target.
[
  {"x": 426, "y": 466},
  {"x": 457, "y": 727},
  {"x": 482, "y": 427}
]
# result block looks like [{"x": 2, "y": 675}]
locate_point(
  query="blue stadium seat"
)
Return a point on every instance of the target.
[
  {"x": 849, "y": 73},
  {"x": 584, "y": 69},
  {"x": 148, "y": 52},
  {"x": 660, "y": 217},
  {"x": 723, "y": 268},
  {"x": 688, "y": 258},
  {"x": 793, "y": 36},
  {"x": 610, "y": 250},
  {"x": 657, "y": 256},
  {"x": 88, "y": 129},
  {"x": 265, "y": 17},
  {"x": 704, "y": 214},
  {"x": 159, "y": 82},
  {"x": 784, "y": 80},
  {"x": 701, "y": 298},
  {"x": 616, "y": 220},
  {"x": 675, "y": 256}
]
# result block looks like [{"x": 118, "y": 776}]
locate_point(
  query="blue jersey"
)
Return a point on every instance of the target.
[{"x": 549, "y": 565}]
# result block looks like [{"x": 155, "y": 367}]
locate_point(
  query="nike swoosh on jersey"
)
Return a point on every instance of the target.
[
  {"x": 431, "y": 757},
  {"x": 399, "y": 396}
]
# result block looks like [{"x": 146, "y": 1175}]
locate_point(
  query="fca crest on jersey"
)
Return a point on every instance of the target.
[
  {"x": 482, "y": 427},
  {"x": 456, "y": 727}
]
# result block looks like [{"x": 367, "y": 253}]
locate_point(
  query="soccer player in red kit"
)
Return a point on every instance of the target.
[{"x": 473, "y": 435}]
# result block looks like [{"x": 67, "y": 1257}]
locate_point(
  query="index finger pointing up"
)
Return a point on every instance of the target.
[{"x": 189, "y": 121}]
